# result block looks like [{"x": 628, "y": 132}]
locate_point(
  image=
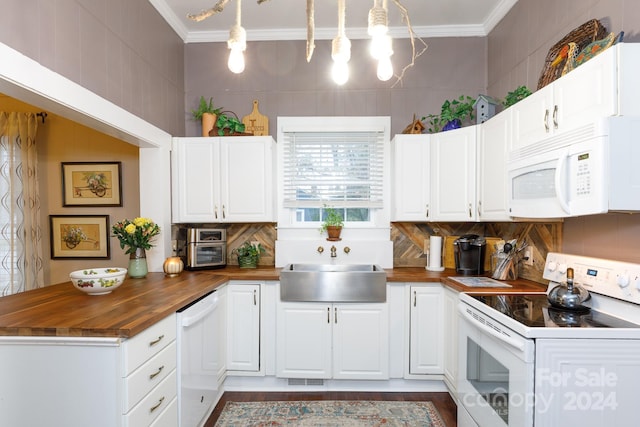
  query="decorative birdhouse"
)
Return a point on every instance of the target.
[{"x": 485, "y": 108}]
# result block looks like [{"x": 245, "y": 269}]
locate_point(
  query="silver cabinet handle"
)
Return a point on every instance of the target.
[
  {"x": 328, "y": 314},
  {"x": 415, "y": 298},
  {"x": 224, "y": 215},
  {"x": 546, "y": 120},
  {"x": 470, "y": 211},
  {"x": 427, "y": 215},
  {"x": 153, "y": 408},
  {"x": 479, "y": 208},
  {"x": 215, "y": 211},
  {"x": 156, "y": 341},
  {"x": 155, "y": 374},
  {"x": 335, "y": 315},
  {"x": 255, "y": 298},
  {"x": 555, "y": 117}
]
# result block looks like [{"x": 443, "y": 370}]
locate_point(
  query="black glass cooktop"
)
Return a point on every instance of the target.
[{"x": 534, "y": 310}]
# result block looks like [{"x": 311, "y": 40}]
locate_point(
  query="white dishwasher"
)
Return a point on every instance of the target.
[{"x": 199, "y": 358}]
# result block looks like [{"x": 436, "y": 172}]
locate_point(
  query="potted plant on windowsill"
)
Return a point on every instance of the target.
[
  {"x": 206, "y": 113},
  {"x": 249, "y": 254},
  {"x": 453, "y": 114},
  {"x": 332, "y": 224}
]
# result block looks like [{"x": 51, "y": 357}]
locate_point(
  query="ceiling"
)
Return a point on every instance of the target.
[{"x": 286, "y": 19}]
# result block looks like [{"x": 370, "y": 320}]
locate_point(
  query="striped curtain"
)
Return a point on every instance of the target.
[{"x": 20, "y": 230}]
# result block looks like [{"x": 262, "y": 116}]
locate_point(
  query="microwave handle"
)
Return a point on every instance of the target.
[{"x": 561, "y": 168}]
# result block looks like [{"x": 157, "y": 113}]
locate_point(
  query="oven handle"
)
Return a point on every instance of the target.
[{"x": 507, "y": 340}]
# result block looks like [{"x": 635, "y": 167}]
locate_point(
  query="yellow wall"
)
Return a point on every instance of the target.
[{"x": 62, "y": 140}]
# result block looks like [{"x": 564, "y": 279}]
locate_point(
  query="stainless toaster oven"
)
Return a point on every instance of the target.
[{"x": 206, "y": 248}]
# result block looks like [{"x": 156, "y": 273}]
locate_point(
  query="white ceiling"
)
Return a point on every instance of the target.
[{"x": 286, "y": 19}]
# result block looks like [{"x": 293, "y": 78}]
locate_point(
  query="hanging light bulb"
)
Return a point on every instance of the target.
[
  {"x": 378, "y": 29},
  {"x": 340, "y": 50},
  {"x": 237, "y": 43},
  {"x": 385, "y": 69}
]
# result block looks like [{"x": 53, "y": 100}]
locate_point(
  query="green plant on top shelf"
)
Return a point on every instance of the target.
[
  {"x": 456, "y": 111},
  {"x": 520, "y": 93},
  {"x": 229, "y": 123},
  {"x": 204, "y": 107}
]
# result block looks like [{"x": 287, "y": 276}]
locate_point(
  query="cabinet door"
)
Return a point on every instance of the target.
[
  {"x": 243, "y": 327},
  {"x": 493, "y": 138},
  {"x": 247, "y": 179},
  {"x": 303, "y": 340},
  {"x": 361, "y": 341},
  {"x": 426, "y": 330},
  {"x": 532, "y": 118},
  {"x": 453, "y": 175},
  {"x": 450, "y": 362},
  {"x": 587, "y": 94},
  {"x": 195, "y": 179},
  {"x": 411, "y": 170}
]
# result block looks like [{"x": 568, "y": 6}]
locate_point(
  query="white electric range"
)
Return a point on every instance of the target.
[{"x": 524, "y": 363}]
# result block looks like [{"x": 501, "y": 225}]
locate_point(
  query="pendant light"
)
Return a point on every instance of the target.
[
  {"x": 340, "y": 50},
  {"x": 237, "y": 43},
  {"x": 380, "y": 47}
]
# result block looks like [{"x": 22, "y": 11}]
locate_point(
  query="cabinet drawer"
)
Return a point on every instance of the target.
[
  {"x": 147, "y": 343},
  {"x": 150, "y": 408},
  {"x": 169, "y": 418},
  {"x": 149, "y": 375}
]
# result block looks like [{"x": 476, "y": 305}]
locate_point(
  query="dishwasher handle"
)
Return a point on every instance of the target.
[{"x": 190, "y": 316}]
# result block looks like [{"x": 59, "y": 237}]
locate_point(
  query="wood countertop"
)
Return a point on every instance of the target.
[{"x": 62, "y": 310}]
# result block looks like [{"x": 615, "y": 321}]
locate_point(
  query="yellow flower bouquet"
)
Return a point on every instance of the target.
[{"x": 135, "y": 234}]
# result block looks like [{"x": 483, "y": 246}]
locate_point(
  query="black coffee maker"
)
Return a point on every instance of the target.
[{"x": 469, "y": 252}]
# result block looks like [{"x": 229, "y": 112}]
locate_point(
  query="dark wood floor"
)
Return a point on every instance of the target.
[{"x": 442, "y": 401}]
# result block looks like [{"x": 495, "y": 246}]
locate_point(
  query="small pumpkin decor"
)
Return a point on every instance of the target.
[
  {"x": 332, "y": 224},
  {"x": 249, "y": 254},
  {"x": 206, "y": 113}
]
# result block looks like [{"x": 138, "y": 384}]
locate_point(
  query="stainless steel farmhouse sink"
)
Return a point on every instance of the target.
[{"x": 333, "y": 283}]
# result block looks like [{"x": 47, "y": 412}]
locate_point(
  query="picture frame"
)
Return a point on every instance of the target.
[
  {"x": 80, "y": 236},
  {"x": 91, "y": 184}
]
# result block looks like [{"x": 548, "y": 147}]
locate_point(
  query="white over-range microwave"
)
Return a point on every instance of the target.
[{"x": 591, "y": 170}]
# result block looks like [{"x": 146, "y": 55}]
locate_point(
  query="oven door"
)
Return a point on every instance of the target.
[
  {"x": 495, "y": 372},
  {"x": 206, "y": 255}
]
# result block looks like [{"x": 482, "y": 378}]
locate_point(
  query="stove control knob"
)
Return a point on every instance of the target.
[
  {"x": 562, "y": 268},
  {"x": 551, "y": 266},
  {"x": 623, "y": 280}
]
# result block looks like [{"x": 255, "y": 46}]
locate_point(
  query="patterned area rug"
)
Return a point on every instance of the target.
[{"x": 330, "y": 413}]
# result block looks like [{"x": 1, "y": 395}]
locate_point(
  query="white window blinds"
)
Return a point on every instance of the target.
[{"x": 340, "y": 168}]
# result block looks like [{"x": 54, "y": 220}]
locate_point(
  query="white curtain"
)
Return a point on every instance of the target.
[{"x": 20, "y": 230}]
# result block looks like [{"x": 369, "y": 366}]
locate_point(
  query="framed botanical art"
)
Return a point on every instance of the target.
[
  {"x": 91, "y": 184},
  {"x": 79, "y": 236}
]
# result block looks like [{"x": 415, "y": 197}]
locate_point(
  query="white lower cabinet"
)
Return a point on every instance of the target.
[
  {"x": 243, "y": 327},
  {"x": 78, "y": 382},
  {"x": 340, "y": 341},
  {"x": 426, "y": 329}
]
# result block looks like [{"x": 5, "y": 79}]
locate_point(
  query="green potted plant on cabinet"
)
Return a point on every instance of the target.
[
  {"x": 520, "y": 93},
  {"x": 332, "y": 224},
  {"x": 229, "y": 125},
  {"x": 249, "y": 254},
  {"x": 453, "y": 114},
  {"x": 206, "y": 113}
]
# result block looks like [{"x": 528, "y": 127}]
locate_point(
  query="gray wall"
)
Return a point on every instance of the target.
[
  {"x": 279, "y": 77},
  {"x": 121, "y": 50},
  {"x": 517, "y": 48}
]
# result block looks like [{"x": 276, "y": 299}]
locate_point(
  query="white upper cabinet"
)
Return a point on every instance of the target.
[
  {"x": 453, "y": 175},
  {"x": 601, "y": 87},
  {"x": 493, "y": 140},
  {"x": 226, "y": 179},
  {"x": 411, "y": 180}
]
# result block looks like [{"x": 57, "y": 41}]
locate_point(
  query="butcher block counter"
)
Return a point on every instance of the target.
[{"x": 62, "y": 310}]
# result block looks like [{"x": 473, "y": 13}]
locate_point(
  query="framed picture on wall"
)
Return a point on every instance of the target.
[
  {"x": 91, "y": 184},
  {"x": 79, "y": 236}
]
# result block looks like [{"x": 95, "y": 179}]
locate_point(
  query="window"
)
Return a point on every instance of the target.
[{"x": 341, "y": 169}]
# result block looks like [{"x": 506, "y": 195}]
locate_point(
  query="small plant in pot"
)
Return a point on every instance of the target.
[
  {"x": 520, "y": 93},
  {"x": 332, "y": 224},
  {"x": 206, "y": 113},
  {"x": 229, "y": 125},
  {"x": 249, "y": 254},
  {"x": 453, "y": 114}
]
